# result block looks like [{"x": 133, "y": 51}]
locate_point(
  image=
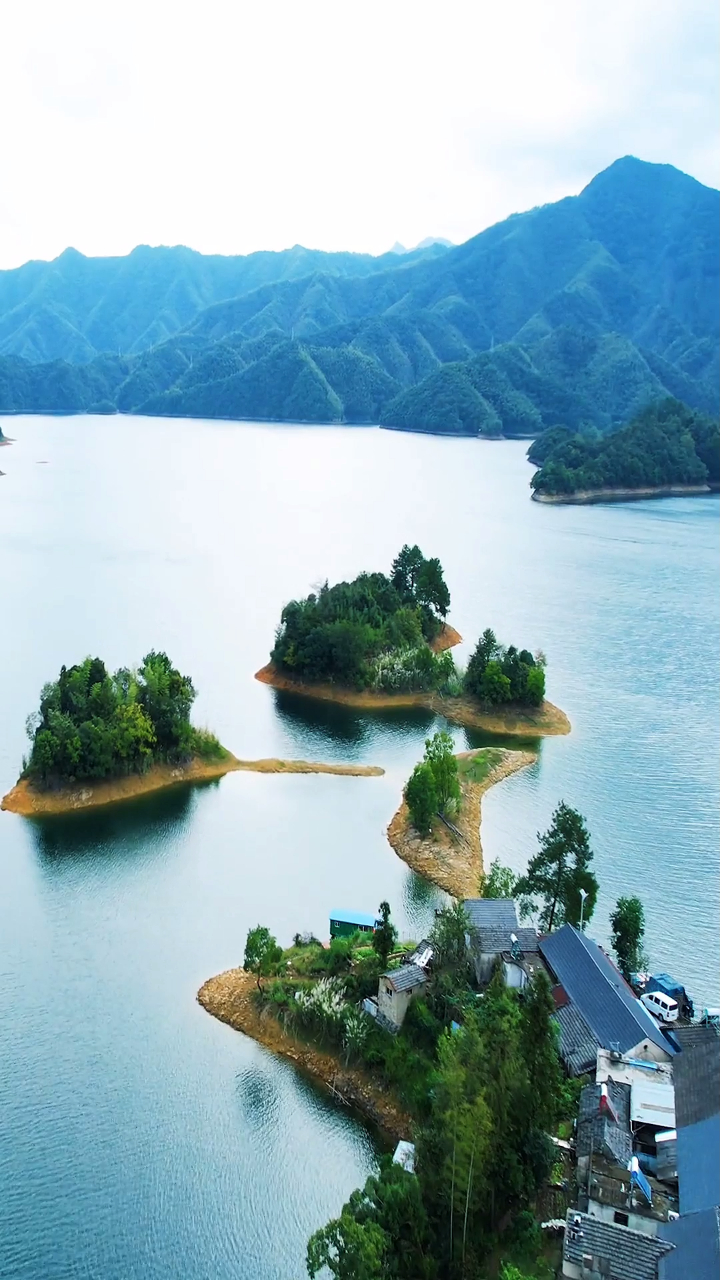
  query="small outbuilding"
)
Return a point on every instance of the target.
[
  {"x": 397, "y": 988},
  {"x": 343, "y": 924}
]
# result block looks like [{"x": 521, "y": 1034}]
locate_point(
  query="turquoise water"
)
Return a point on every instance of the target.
[{"x": 140, "y": 1138}]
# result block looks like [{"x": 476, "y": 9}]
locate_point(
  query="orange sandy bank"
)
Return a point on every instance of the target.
[
  {"x": 31, "y": 802},
  {"x": 528, "y": 722},
  {"x": 228, "y": 997},
  {"x": 455, "y": 863}
]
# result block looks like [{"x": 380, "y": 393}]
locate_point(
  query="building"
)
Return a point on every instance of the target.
[
  {"x": 343, "y": 924},
  {"x": 696, "y": 1255},
  {"x": 396, "y": 989},
  {"x": 594, "y": 1006},
  {"x": 697, "y": 1113},
  {"x": 595, "y": 1250},
  {"x": 495, "y": 935}
]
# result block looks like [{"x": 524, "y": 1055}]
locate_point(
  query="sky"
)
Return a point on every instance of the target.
[{"x": 231, "y": 126}]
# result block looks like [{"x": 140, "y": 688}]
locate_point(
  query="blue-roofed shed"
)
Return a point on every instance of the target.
[
  {"x": 345, "y": 923},
  {"x": 597, "y": 990}
]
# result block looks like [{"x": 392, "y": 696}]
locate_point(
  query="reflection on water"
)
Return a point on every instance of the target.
[
  {"x": 319, "y": 721},
  {"x": 133, "y": 828}
]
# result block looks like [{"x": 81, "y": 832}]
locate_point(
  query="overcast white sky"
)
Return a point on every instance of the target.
[{"x": 339, "y": 124}]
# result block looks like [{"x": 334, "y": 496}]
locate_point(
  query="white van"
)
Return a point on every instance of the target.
[{"x": 662, "y": 1007}]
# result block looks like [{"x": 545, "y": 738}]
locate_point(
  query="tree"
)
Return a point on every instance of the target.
[
  {"x": 448, "y": 937},
  {"x": 627, "y": 922},
  {"x": 405, "y": 571},
  {"x": 539, "y": 1047},
  {"x": 500, "y": 882},
  {"x": 385, "y": 936},
  {"x": 559, "y": 870},
  {"x": 443, "y": 762},
  {"x": 382, "y": 1232},
  {"x": 421, "y": 797},
  {"x": 432, "y": 591},
  {"x": 495, "y": 686},
  {"x": 486, "y": 649},
  {"x": 262, "y": 953}
]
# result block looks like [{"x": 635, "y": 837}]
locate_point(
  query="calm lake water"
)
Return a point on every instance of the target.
[{"x": 140, "y": 1139}]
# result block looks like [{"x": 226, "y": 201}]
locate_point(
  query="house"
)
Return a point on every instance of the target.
[
  {"x": 594, "y": 1006},
  {"x": 343, "y": 924},
  {"x": 603, "y": 1126},
  {"x": 697, "y": 1115},
  {"x": 596, "y": 1250},
  {"x": 397, "y": 988},
  {"x": 495, "y": 934}
]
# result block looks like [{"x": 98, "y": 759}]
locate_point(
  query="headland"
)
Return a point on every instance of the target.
[{"x": 588, "y": 496}]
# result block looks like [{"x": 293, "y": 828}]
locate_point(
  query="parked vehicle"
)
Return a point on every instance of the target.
[
  {"x": 662, "y": 1007},
  {"x": 644, "y": 983},
  {"x": 710, "y": 1017}
]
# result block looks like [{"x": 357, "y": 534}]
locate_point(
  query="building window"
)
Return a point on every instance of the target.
[{"x": 621, "y": 1219}]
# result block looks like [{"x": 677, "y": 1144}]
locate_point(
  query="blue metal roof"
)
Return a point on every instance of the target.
[
  {"x": 353, "y": 917},
  {"x": 696, "y": 1237},
  {"x": 599, "y": 991},
  {"x": 698, "y": 1165}
]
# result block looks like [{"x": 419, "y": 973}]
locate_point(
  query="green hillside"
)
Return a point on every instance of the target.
[{"x": 665, "y": 444}]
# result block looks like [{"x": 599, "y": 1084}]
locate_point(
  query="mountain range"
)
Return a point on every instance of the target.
[{"x": 581, "y": 311}]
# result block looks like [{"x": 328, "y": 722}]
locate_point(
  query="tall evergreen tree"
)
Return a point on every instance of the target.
[{"x": 558, "y": 871}]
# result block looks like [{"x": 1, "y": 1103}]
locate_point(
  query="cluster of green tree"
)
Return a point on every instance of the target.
[
  {"x": 433, "y": 786},
  {"x": 578, "y": 335},
  {"x": 485, "y": 1098},
  {"x": 339, "y": 633},
  {"x": 497, "y": 675},
  {"x": 665, "y": 444},
  {"x": 95, "y": 725}
]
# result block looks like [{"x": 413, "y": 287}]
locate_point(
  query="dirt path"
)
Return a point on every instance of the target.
[
  {"x": 455, "y": 865},
  {"x": 228, "y": 997}
]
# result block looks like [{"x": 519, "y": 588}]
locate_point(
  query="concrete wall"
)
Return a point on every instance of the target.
[{"x": 394, "y": 1004}]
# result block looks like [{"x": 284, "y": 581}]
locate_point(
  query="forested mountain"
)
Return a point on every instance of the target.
[{"x": 578, "y": 312}]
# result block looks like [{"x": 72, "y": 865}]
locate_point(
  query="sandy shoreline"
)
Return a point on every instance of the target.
[
  {"x": 529, "y": 722},
  {"x": 455, "y": 865},
  {"x": 29, "y": 802},
  {"x": 228, "y": 998},
  {"x": 588, "y": 496}
]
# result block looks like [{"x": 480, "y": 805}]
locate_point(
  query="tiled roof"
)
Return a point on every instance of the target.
[
  {"x": 696, "y": 1255},
  {"x": 599, "y": 992},
  {"x": 406, "y": 977},
  {"x": 492, "y": 913},
  {"x": 597, "y": 1132},
  {"x": 578, "y": 1045},
  {"x": 693, "y": 1034},
  {"x": 631, "y": 1255}
]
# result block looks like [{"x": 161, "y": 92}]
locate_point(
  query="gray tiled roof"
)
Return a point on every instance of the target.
[
  {"x": 492, "y": 913},
  {"x": 631, "y": 1254},
  {"x": 599, "y": 992},
  {"x": 693, "y": 1034},
  {"x": 578, "y": 1045},
  {"x": 597, "y": 1132},
  {"x": 697, "y": 1082},
  {"x": 406, "y": 977},
  {"x": 696, "y": 1255}
]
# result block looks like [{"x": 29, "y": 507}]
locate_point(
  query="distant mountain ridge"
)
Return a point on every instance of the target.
[{"x": 577, "y": 312}]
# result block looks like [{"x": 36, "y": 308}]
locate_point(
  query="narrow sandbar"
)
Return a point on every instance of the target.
[{"x": 30, "y": 801}]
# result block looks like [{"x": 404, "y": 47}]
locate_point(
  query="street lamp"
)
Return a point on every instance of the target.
[{"x": 583, "y": 896}]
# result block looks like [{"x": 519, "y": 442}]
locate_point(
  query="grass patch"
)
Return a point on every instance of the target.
[{"x": 478, "y": 767}]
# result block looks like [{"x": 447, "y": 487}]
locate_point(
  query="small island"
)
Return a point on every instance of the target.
[
  {"x": 99, "y": 738},
  {"x": 380, "y": 642},
  {"x": 667, "y": 450}
]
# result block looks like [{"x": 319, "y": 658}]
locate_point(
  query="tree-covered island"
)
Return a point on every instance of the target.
[
  {"x": 375, "y": 632},
  {"x": 383, "y": 640},
  {"x": 665, "y": 447}
]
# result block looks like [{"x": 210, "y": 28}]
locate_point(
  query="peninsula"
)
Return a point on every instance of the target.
[
  {"x": 450, "y": 854},
  {"x": 381, "y": 642},
  {"x": 98, "y": 739},
  {"x": 667, "y": 450}
]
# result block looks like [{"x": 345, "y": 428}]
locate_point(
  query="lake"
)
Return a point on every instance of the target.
[{"x": 141, "y": 1139}]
